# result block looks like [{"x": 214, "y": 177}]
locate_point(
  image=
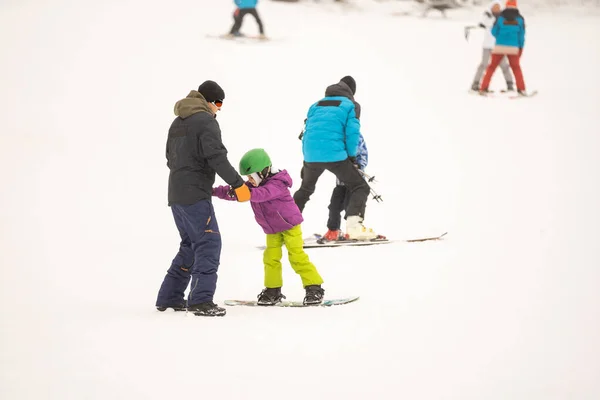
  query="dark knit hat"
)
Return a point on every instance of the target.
[
  {"x": 211, "y": 91},
  {"x": 348, "y": 80}
]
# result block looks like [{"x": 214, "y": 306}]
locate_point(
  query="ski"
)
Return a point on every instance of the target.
[
  {"x": 317, "y": 241},
  {"x": 505, "y": 94},
  {"x": 382, "y": 239},
  {"x": 440, "y": 237},
  {"x": 341, "y": 243},
  {"x": 520, "y": 96},
  {"x": 242, "y": 38}
]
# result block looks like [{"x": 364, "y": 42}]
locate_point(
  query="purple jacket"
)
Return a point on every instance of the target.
[{"x": 273, "y": 205}]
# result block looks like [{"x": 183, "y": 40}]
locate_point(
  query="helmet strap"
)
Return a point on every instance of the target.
[
  {"x": 264, "y": 173},
  {"x": 257, "y": 178}
]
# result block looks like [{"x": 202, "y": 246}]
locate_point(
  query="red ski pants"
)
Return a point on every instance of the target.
[{"x": 513, "y": 61}]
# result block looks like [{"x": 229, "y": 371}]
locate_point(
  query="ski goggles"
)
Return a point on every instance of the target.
[{"x": 218, "y": 103}]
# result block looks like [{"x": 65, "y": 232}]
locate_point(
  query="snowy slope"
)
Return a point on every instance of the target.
[{"x": 506, "y": 308}]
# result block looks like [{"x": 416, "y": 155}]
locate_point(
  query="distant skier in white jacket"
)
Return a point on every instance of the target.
[{"x": 487, "y": 22}]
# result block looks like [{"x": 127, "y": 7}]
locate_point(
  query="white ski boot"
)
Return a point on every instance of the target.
[{"x": 355, "y": 230}]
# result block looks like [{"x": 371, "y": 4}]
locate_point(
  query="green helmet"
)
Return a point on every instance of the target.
[{"x": 255, "y": 160}]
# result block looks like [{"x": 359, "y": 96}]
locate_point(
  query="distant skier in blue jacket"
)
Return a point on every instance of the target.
[
  {"x": 246, "y": 7},
  {"x": 509, "y": 31}
]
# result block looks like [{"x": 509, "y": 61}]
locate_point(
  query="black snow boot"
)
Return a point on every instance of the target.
[
  {"x": 175, "y": 307},
  {"x": 314, "y": 295},
  {"x": 270, "y": 297},
  {"x": 208, "y": 309}
]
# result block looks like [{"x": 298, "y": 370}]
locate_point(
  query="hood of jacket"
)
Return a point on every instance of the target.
[
  {"x": 282, "y": 176},
  {"x": 511, "y": 14},
  {"x": 493, "y": 3},
  {"x": 192, "y": 104},
  {"x": 339, "y": 89}
]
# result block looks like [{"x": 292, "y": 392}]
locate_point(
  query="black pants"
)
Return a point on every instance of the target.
[
  {"x": 238, "y": 17},
  {"x": 337, "y": 204},
  {"x": 358, "y": 189}
]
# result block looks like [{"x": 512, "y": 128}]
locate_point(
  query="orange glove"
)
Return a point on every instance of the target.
[{"x": 242, "y": 193}]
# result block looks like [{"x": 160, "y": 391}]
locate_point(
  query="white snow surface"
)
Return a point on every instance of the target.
[{"x": 507, "y": 307}]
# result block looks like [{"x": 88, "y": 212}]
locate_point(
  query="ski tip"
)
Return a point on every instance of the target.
[{"x": 426, "y": 239}]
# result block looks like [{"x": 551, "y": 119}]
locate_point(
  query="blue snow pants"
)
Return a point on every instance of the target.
[{"x": 198, "y": 257}]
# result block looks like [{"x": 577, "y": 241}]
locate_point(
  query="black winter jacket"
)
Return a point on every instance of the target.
[{"x": 195, "y": 152}]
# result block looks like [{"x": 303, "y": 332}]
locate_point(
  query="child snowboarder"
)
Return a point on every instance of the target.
[
  {"x": 487, "y": 22},
  {"x": 509, "y": 31},
  {"x": 245, "y": 7},
  {"x": 340, "y": 195},
  {"x": 278, "y": 215}
]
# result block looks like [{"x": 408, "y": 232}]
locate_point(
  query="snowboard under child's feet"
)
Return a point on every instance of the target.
[{"x": 208, "y": 309}]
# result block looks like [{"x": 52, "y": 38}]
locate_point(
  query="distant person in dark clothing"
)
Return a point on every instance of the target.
[
  {"x": 195, "y": 153},
  {"x": 340, "y": 196},
  {"x": 245, "y": 7},
  {"x": 440, "y": 5}
]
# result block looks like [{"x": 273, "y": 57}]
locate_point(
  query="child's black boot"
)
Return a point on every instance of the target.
[
  {"x": 270, "y": 297},
  {"x": 314, "y": 295}
]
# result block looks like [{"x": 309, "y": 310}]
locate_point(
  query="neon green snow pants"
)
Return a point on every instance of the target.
[{"x": 292, "y": 238}]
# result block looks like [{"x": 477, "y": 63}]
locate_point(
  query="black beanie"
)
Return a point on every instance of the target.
[
  {"x": 348, "y": 80},
  {"x": 211, "y": 91}
]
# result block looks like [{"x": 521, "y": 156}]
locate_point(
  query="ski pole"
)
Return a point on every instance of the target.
[
  {"x": 366, "y": 176},
  {"x": 468, "y": 31},
  {"x": 376, "y": 197}
]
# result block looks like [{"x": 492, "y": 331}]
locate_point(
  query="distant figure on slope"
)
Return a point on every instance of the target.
[
  {"x": 279, "y": 217},
  {"x": 509, "y": 31},
  {"x": 487, "y": 22},
  {"x": 245, "y": 7},
  {"x": 440, "y": 5}
]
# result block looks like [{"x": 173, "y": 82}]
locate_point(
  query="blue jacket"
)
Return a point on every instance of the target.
[
  {"x": 332, "y": 128},
  {"x": 245, "y": 3},
  {"x": 509, "y": 29},
  {"x": 362, "y": 157},
  {"x": 362, "y": 154}
]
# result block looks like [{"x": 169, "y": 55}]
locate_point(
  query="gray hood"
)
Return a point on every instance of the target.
[{"x": 339, "y": 89}]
